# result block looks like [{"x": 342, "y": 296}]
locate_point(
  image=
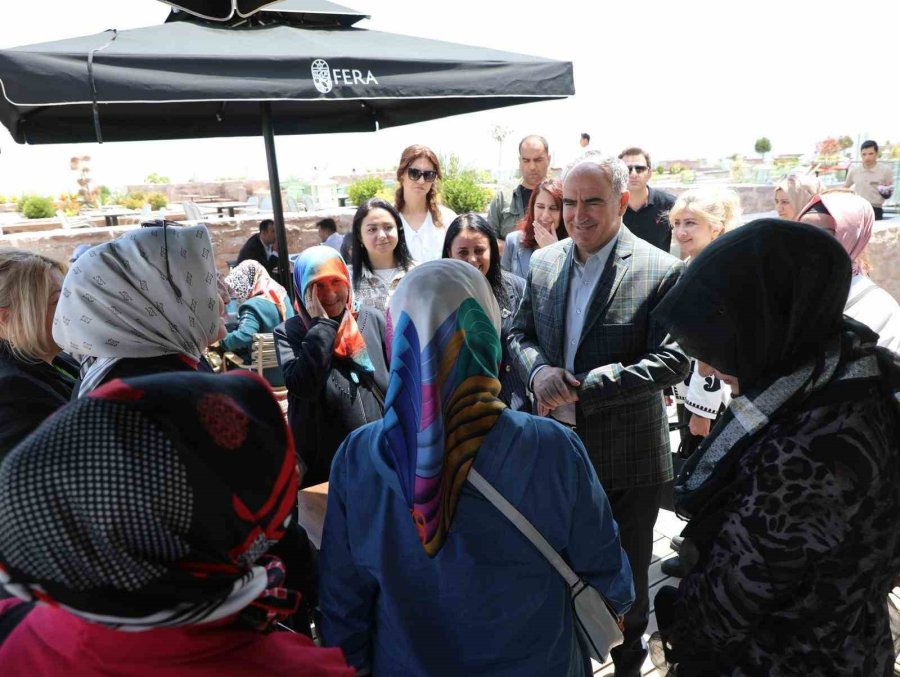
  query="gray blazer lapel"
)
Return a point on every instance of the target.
[
  {"x": 559, "y": 279},
  {"x": 613, "y": 274}
]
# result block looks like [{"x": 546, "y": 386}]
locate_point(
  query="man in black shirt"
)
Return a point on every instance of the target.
[
  {"x": 261, "y": 247},
  {"x": 647, "y": 215}
]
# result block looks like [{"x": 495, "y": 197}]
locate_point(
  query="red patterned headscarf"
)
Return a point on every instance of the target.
[{"x": 151, "y": 502}]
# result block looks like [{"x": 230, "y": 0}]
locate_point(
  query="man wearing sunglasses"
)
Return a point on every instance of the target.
[
  {"x": 506, "y": 210},
  {"x": 648, "y": 208}
]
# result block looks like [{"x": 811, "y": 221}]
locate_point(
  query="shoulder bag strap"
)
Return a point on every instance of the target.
[{"x": 523, "y": 525}]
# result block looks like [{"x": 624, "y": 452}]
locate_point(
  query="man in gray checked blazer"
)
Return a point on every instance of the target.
[{"x": 583, "y": 340}]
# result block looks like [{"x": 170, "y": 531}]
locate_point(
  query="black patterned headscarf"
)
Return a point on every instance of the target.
[{"x": 151, "y": 502}]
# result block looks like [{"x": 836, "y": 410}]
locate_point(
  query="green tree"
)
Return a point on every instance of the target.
[
  {"x": 153, "y": 177},
  {"x": 462, "y": 193},
  {"x": 762, "y": 146},
  {"x": 36, "y": 207},
  {"x": 104, "y": 194},
  {"x": 157, "y": 200},
  {"x": 363, "y": 189}
]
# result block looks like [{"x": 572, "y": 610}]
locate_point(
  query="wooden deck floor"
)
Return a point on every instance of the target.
[{"x": 667, "y": 526}]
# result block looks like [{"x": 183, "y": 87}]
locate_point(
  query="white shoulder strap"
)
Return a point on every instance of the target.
[{"x": 523, "y": 525}]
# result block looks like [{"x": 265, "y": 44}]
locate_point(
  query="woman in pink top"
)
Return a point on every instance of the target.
[{"x": 134, "y": 527}]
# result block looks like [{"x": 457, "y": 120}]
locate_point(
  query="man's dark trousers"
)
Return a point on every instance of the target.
[{"x": 635, "y": 511}]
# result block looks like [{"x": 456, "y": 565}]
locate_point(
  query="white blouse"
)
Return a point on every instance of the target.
[{"x": 427, "y": 243}]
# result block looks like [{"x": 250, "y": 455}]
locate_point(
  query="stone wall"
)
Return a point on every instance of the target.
[
  {"x": 756, "y": 198},
  {"x": 237, "y": 190},
  {"x": 227, "y": 235},
  {"x": 883, "y": 251}
]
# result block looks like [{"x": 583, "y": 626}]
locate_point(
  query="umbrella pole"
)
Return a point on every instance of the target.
[{"x": 284, "y": 263}]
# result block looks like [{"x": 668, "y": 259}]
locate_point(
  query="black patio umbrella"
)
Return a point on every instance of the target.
[
  {"x": 220, "y": 10},
  {"x": 196, "y": 79},
  {"x": 238, "y": 12}
]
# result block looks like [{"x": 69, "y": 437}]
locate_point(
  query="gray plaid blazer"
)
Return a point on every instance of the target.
[{"x": 624, "y": 360}]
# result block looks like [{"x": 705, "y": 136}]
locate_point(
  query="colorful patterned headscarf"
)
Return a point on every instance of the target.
[
  {"x": 853, "y": 217},
  {"x": 151, "y": 292},
  {"x": 250, "y": 279},
  {"x": 319, "y": 263},
  {"x": 443, "y": 327},
  {"x": 151, "y": 502}
]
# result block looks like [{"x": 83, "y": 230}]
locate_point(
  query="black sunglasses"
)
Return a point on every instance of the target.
[
  {"x": 637, "y": 169},
  {"x": 415, "y": 174}
]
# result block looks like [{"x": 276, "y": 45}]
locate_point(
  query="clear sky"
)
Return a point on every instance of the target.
[{"x": 685, "y": 79}]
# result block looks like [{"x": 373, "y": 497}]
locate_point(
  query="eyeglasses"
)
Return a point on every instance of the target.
[
  {"x": 416, "y": 174},
  {"x": 637, "y": 169}
]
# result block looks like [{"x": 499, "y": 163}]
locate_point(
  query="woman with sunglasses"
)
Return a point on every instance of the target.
[
  {"x": 542, "y": 225},
  {"x": 146, "y": 303},
  {"x": 418, "y": 201}
]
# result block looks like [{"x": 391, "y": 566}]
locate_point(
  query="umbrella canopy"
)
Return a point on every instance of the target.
[
  {"x": 195, "y": 79},
  {"x": 310, "y": 12},
  {"x": 219, "y": 10},
  {"x": 188, "y": 80}
]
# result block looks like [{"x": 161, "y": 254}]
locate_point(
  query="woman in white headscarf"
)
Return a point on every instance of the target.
[{"x": 145, "y": 303}]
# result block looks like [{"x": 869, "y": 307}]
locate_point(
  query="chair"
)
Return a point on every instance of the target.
[
  {"x": 292, "y": 205},
  {"x": 265, "y": 205},
  {"x": 252, "y": 205},
  {"x": 265, "y": 363},
  {"x": 192, "y": 212},
  {"x": 146, "y": 212},
  {"x": 73, "y": 221}
]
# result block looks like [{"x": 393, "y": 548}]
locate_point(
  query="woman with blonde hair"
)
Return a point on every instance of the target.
[
  {"x": 418, "y": 201},
  {"x": 35, "y": 380},
  {"x": 792, "y": 194},
  {"x": 698, "y": 217}
]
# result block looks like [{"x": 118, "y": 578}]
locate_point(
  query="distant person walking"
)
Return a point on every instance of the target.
[{"x": 871, "y": 181}]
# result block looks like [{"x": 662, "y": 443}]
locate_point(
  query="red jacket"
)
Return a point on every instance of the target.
[{"x": 50, "y": 641}]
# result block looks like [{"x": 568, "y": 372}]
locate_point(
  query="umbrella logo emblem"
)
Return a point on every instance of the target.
[{"x": 321, "y": 76}]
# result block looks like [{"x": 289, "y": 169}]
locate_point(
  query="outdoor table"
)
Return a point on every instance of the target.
[
  {"x": 311, "y": 511},
  {"x": 221, "y": 207},
  {"x": 112, "y": 219},
  {"x": 112, "y": 216}
]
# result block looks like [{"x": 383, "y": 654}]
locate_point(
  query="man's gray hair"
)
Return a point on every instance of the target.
[{"x": 612, "y": 166}]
